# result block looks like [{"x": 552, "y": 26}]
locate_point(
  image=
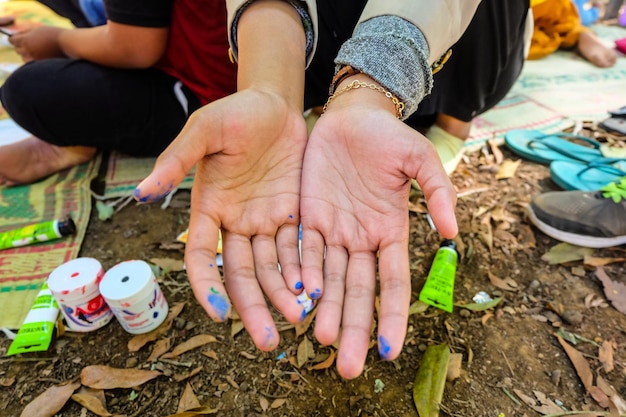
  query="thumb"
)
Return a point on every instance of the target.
[{"x": 172, "y": 166}]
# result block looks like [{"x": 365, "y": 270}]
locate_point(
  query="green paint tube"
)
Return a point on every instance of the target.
[
  {"x": 438, "y": 290},
  {"x": 35, "y": 233},
  {"x": 36, "y": 332}
]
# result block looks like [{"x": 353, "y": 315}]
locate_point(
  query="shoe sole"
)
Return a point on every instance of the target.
[{"x": 572, "y": 238}]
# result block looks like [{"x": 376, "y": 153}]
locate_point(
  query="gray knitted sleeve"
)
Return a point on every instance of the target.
[{"x": 393, "y": 52}]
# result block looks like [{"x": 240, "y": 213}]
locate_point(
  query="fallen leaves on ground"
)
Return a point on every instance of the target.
[
  {"x": 602, "y": 392},
  {"x": 50, "y": 402},
  {"x": 614, "y": 291},
  {"x": 430, "y": 380},
  {"x": 105, "y": 377},
  {"x": 506, "y": 284},
  {"x": 188, "y": 400},
  {"x": 192, "y": 343},
  {"x": 141, "y": 340},
  {"x": 564, "y": 252},
  {"x": 93, "y": 400}
]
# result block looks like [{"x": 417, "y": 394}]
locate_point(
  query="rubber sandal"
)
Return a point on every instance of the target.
[
  {"x": 546, "y": 148},
  {"x": 587, "y": 176}
]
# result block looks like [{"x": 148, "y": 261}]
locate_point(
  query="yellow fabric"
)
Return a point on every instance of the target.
[{"x": 557, "y": 25}]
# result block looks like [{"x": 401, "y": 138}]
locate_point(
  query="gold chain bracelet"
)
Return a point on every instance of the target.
[{"x": 360, "y": 84}]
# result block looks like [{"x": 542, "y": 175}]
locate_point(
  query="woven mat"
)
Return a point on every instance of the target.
[
  {"x": 23, "y": 270},
  {"x": 553, "y": 93},
  {"x": 124, "y": 173}
]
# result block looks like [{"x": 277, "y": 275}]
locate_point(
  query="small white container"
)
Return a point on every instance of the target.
[
  {"x": 75, "y": 286},
  {"x": 133, "y": 294}
]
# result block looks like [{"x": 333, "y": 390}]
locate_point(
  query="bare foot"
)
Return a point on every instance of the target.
[
  {"x": 31, "y": 159},
  {"x": 595, "y": 51}
]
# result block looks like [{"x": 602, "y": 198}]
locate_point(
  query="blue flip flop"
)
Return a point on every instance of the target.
[
  {"x": 545, "y": 148},
  {"x": 587, "y": 176}
]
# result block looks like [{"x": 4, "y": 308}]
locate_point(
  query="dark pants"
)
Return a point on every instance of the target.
[
  {"x": 70, "y": 102},
  {"x": 484, "y": 64}
]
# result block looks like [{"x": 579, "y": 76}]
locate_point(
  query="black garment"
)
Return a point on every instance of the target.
[
  {"x": 484, "y": 64},
  {"x": 69, "y": 9},
  {"x": 70, "y": 102}
]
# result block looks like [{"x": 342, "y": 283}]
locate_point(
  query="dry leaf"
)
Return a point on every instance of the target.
[
  {"x": 182, "y": 377},
  {"x": 454, "y": 366},
  {"x": 593, "y": 261},
  {"x": 91, "y": 403},
  {"x": 526, "y": 236},
  {"x": 564, "y": 253},
  {"x": 545, "y": 406},
  {"x": 605, "y": 355},
  {"x": 160, "y": 347},
  {"x": 265, "y": 404},
  {"x": 278, "y": 402},
  {"x": 247, "y": 355},
  {"x": 507, "y": 284},
  {"x": 508, "y": 169},
  {"x": 194, "y": 412},
  {"x": 485, "y": 233},
  {"x": 194, "y": 342},
  {"x": 591, "y": 302},
  {"x": 495, "y": 150},
  {"x": 105, "y": 377},
  {"x": 7, "y": 382},
  {"x": 211, "y": 354},
  {"x": 305, "y": 351},
  {"x": 137, "y": 342},
  {"x": 304, "y": 325},
  {"x": 327, "y": 363},
  {"x": 417, "y": 307},
  {"x": 188, "y": 400},
  {"x": 169, "y": 264},
  {"x": 50, "y": 402},
  {"x": 614, "y": 291},
  {"x": 580, "y": 363},
  {"x": 235, "y": 327}
]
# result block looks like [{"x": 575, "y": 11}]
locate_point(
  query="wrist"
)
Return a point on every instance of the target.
[{"x": 359, "y": 88}]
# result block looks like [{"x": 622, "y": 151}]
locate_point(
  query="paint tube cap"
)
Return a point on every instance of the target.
[
  {"x": 449, "y": 243},
  {"x": 128, "y": 282},
  {"x": 78, "y": 275},
  {"x": 67, "y": 227}
]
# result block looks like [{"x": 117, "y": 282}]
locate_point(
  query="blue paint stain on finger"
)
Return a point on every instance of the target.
[
  {"x": 270, "y": 339},
  {"x": 220, "y": 304},
  {"x": 152, "y": 197},
  {"x": 316, "y": 294},
  {"x": 384, "y": 348},
  {"x": 299, "y": 285}
]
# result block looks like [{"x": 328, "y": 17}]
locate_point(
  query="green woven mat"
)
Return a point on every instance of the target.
[
  {"x": 23, "y": 270},
  {"x": 124, "y": 173}
]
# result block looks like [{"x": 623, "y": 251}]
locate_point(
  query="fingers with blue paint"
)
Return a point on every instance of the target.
[
  {"x": 287, "y": 247},
  {"x": 175, "y": 162},
  {"x": 200, "y": 260},
  {"x": 395, "y": 299}
]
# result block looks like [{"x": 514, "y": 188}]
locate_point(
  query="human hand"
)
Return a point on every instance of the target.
[
  {"x": 248, "y": 148},
  {"x": 354, "y": 206},
  {"x": 38, "y": 43}
]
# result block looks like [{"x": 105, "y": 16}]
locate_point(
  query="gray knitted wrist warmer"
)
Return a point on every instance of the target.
[{"x": 394, "y": 53}]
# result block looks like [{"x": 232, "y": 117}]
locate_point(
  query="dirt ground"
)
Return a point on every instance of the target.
[{"x": 508, "y": 352}]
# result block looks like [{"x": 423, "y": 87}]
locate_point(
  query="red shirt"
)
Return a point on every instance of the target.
[{"x": 197, "y": 49}]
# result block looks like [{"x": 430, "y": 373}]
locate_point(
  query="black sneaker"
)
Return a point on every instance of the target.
[{"x": 583, "y": 218}]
